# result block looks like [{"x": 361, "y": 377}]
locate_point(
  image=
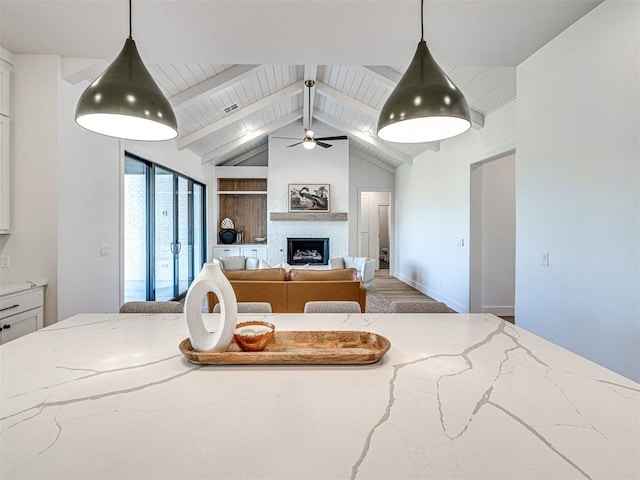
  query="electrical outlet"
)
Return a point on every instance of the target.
[
  {"x": 545, "y": 259},
  {"x": 5, "y": 261},
  {"x": 104, "y": 250}
]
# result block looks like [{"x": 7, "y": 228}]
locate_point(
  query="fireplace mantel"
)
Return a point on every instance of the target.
[{"x": 304, "y": 216}]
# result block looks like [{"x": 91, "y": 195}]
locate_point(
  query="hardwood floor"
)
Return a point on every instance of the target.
[{"x": 392, "y": 289}]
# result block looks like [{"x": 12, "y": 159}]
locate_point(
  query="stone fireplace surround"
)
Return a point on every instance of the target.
[{"x": 298, "y": 166}]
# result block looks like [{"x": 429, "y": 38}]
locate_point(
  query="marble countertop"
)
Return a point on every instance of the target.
[
  {"x": 456, "y": 396},
  {"x": 7, "y": 288}
]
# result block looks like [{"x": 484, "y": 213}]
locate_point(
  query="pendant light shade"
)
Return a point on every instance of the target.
[
  {"x": 125, "y": 102},
  {"x": 425, "y": 106}
]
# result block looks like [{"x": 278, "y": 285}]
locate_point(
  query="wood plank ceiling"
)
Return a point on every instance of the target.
[{"x": 227, "y": 112}]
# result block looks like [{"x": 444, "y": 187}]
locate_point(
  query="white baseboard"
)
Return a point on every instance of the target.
[
  {"x": 499, "y": 310},
  {"x": 433, "y": 294}
]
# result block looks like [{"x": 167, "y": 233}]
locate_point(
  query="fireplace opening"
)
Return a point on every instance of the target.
[{"x": 301, "y": 251}]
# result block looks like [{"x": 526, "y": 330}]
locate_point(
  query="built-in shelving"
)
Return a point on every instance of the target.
[{"x": 244, "y": 201}]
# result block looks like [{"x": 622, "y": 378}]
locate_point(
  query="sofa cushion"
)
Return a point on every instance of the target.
[
  {"x": 297, "y": 275},
  {"x": 259, "y": 275},
  {"x": 299, "y": 293},
  {"x": 232, "y": 263}
]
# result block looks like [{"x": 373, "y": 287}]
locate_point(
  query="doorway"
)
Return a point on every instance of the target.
[
  {"x": 492, "y": 236},
  {"x": 374, "y": 227}
]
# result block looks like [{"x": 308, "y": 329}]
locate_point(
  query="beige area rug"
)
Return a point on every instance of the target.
[{"x": 386, "y": 289}]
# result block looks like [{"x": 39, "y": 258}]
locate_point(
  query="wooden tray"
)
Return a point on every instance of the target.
[{"x": 300, "y": 348}]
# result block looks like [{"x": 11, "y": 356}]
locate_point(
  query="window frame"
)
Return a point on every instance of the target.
[{"x": 150, "y": 205}]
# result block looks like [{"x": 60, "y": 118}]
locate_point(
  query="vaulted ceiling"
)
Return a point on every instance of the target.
[{"x": 235, "y": 70}]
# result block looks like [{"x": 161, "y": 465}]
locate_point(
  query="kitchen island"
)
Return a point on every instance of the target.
[{"x": 456, "y": 396}]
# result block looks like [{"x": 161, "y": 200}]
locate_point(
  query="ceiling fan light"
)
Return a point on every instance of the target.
[
  {"x": 425, "y": 105},
  {"x": 125, "y": 102},
  {"x": 308, "y": 143}
]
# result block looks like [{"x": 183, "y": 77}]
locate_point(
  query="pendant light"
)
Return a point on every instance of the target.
[
  {"x": 425, "y": 106},
  {"x": 125, "y": 102}
]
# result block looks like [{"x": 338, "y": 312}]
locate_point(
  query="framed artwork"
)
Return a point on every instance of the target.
[{"x": 309, "y": 197}]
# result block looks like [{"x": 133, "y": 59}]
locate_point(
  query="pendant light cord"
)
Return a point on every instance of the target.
[
  {"x": 130, "y": 29},
  {"x": 421, "y": 20}
]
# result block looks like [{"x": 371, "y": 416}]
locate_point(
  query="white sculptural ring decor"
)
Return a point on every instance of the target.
[{"x": 211, "y": 279}]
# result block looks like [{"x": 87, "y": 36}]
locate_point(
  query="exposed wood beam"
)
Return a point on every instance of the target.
[
  {"x": 266, "y": 130},
  {"x": 477, "y": 120},
  {"x": 385, "y": 75},
  {"x": 76, "y": 70},
  {"x": 247, "y": 155},
  {"x": 358, "y": 106},
  {"x": 310, "y": 73},
  {"x": 213, "y": 85},
  {"x": 375, "y": 142},
  {"x": 352, "y": 103},
  {"x": 288, "y": 92},
  {"x": 391, "y": 78}
]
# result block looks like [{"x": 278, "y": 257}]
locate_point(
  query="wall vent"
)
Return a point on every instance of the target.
[{"x": 230, "y": 108}]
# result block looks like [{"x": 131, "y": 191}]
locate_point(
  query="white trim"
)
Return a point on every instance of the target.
[
  {"x": 433, "y": 294},
  {"x": 499, "y": 310}
]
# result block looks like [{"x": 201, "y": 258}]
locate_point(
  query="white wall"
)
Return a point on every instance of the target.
[
  {"x": 432, "y": 210},
  {"x": 492, "y": 238},
  {"x": 33, "y": 243},
  {"x": 66, "y": 193},
  {"x": 298, "y": 166},
  {"x": 578, "y": 184}
]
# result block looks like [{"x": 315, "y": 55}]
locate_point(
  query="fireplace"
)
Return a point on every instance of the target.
[{"x": 301, "y": 251}]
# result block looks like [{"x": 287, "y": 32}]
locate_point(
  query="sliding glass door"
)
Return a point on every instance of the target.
[{"x": 173, "y": 212}]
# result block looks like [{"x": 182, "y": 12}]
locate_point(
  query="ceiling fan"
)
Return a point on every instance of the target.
[{"x": 309, "y": 141}]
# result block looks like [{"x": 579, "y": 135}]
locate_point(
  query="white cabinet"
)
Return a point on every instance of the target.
[
  {"x": 5, "y": 94},
  {"x": 254, "y": 251},
  {"x": 21, "y": 313},
  {"x": 257, "y": 251},
  {"x": 5, "y": 88},
  {"x": 221, "y": 251},
  {"x": 4, "y": 174}
]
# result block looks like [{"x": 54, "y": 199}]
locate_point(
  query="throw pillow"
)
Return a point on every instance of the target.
[
  {"x": 232, "y": 263},
  {"x": 262, "y": 265}
]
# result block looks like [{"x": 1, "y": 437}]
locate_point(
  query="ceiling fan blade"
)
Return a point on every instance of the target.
[
  {"x": 340, "y": 137},
  {"x": 322, "y": 144},
  {"x": 294, "y": 144},
  {"x": 287, "y": 138}
]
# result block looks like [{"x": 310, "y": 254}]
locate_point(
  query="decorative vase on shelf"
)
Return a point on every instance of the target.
[
  {"x": 227, "y": 236},
  {"x": 211, "y": 279}
]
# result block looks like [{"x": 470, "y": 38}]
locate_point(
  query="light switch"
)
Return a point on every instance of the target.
[
  {"x": 104, "y": 250},
  {"x": 5, "y": 261},
  {"x": 545, "y": 259}
]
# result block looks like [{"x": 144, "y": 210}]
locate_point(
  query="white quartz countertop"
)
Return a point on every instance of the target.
[
  {"x": 456, "y": 396},
  {"x": 7, "y": 288}
]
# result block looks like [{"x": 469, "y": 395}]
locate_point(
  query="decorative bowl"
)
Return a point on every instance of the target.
[
  {"x": 253, "y": 336},
  {"x": 259, "y": 239}
]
